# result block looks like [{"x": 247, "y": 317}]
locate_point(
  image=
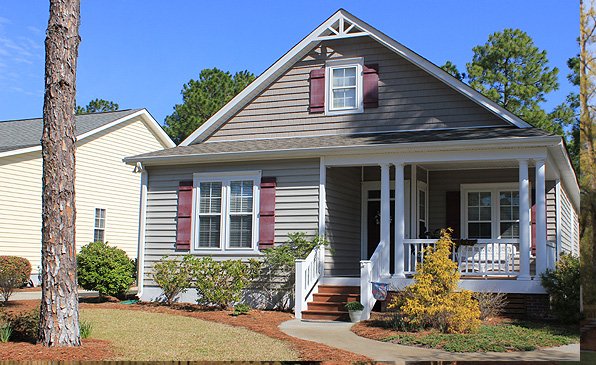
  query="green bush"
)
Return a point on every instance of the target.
[
  {"x": 85, "y": 329},
  {"x": 562, "y": 284},
  {"x": 14, "y": 273},
  {"x": 240, "y": 309},
  {"x": 173, "y": 276},
  {"x": 276, "y": 281},
  {"x": 220, "y": 283},
  {"x": 24, "y": 326},
  {"x": 5, "y": 332},
  {"x": 104, "y": 268},
  {"x": 354, "y": 306}
]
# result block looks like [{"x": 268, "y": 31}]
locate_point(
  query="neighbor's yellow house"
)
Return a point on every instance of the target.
[{"x": 107, "y": 190}]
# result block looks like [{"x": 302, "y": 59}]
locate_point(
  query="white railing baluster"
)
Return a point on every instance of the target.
[{"x": 308, "y": 273}]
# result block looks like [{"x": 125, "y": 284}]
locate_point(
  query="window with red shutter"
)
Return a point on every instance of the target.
[
  {"x": 184, "y": 215},
  {"x": 267, "y": 212},
  {"x": 371, "y": 86}
]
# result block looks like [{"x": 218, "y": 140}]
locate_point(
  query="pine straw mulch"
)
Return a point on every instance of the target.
[{"x": 264, "y": 322}]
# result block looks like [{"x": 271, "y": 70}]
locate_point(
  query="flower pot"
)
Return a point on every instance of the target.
[{"x": 355, "y": 316}]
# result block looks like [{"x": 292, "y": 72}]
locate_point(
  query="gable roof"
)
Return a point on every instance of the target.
[
  {"x": 21, "y": 136},
  {"x": 340, "y": 25}
]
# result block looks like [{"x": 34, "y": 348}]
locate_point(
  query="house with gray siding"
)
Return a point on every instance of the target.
[{"x": 352, "y": 136}]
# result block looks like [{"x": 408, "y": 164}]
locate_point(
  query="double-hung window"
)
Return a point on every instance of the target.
[
  {"x": 344, "y": 86},
  {"x": 490, "y": 211},
  {"x": 226, "y": 211},
  {"x": 99, "y": 226}
]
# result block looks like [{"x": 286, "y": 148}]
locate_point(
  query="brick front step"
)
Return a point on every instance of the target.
[
  {"x": 328, "y": 297},
  {"x": 325, "y": 315},
  {"x": 337, "y": 289}
]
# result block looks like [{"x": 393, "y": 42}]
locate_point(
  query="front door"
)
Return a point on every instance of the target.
[{"x": 371, "y": 213}]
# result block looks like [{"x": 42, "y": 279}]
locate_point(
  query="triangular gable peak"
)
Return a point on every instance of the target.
[{"x": 340, "y": 27}]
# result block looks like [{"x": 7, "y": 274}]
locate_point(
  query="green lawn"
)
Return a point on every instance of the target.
[
  {"x": 143, "y": 336},
  {"x": 499, "y": 338}
]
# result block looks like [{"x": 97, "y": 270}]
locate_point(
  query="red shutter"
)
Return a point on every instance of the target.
[
  {"x": 453, "y": 210},
  {"x": 317, "y": 91},
  {"x": 184, "y": 215},
  {"x": 267, "y": 212},
  {"x": 371, "y": 86}
]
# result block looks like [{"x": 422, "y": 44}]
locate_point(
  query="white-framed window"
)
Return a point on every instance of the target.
[
  {"x": 99, "y": 226},
  {"x": 343, "y": 91},
  {"x": 490, "y": 211},
  {"x": 225, "y": 207},
  {"x": 422, "y": 213}
]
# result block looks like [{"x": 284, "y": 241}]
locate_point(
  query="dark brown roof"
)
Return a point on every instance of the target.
[{"x": 277, "y": 144}]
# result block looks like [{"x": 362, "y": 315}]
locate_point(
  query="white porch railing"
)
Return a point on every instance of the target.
[
  {"x": 485, "y": 257},
  {"x": 370, "y": 270},
  {"x": 308, "y": 273}
]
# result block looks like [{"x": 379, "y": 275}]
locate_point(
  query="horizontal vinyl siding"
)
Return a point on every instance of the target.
[
  {"x": 20, "y": 207},
  {"x": 102, "y": 180},
  {"x": 409, "y": 98},
  {"x": 551, "y": 211},
  {"x": 296, "y": 207},
  {"x": 343, "y": 197},
  {"x": 567, "y": 228}
]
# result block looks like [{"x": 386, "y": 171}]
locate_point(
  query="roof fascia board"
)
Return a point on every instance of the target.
[
  {"x": 149, "y": 120},
  {"x": 318, "y": 151},
  {"x": 314, "y": 38}
]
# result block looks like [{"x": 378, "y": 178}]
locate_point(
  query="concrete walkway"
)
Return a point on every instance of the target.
[
  {"x": 338, "y": 334},
  {"x": 33, "y": 295}
]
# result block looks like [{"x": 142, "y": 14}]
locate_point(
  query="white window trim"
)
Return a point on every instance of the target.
[
  {"x": 494, "y": 189},
  {"x": 225, "y": 178},
  {"x": 105, "y": 223},
  {"x": 342, "y": 63},
  {"x": 421, "y": 186}
]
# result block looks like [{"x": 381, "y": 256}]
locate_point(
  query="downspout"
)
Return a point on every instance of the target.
[{"x": 142, "y": 224}]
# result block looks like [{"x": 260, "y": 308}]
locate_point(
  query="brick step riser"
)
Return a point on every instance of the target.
[
  {"x": 339, "y": 289},
  {"x": 316, "y": 306},
  {"x": 323, "y": 297}
]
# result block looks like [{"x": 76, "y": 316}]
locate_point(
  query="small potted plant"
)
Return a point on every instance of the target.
[{"x": 355, "y": 310}]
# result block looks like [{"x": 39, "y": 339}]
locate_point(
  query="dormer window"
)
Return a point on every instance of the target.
[{"x": 343, "y": 92}]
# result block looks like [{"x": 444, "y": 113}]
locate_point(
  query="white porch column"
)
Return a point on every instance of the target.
[
  {"x": 399, "y": 220},
  {"x": 524, "y": 221},
  {"x": 385, "y": 218},
  {"x": 322, "y": 211},
  {"x": 541, "y": 263}
]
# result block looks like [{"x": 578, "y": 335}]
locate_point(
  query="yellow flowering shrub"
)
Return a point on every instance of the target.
[{"x": 432, "y": 301}]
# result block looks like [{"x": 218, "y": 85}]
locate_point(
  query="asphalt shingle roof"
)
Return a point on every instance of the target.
[
  {"x": 17, "y": 134},
  {"x": 344, "y": 140}
]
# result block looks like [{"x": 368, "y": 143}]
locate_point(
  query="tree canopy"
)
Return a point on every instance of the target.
[
  {"x": 512, "y": 71},
  {"x": 97, "y": 106},
  {"x": 202, "y": 98}
]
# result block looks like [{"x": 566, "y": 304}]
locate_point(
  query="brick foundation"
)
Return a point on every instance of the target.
[{"x": 518, "y": 305}]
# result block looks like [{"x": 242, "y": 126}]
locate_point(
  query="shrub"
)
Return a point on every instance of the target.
[
  {"x": 432, "y": 302},
  {"x": 562, "y": 284},
  {"x": 14, "y": 273},
  {"x": 85, "y": 329},
  {"x": 276, "y": 280},
  {"x": 24, "y": 325},
  {"x": 173, "y": 276},
  {"x": 240, "y": 309},
  {"x": 354, "y": 306},
  {"x": 104, "y": 268},
  {"x": 491, "y": 304},
  {"x": 5, "y": 332},
  {"x": 220, "y": 283}
]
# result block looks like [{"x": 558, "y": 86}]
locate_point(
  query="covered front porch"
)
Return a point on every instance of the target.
[{"x": 379, "y": 216}]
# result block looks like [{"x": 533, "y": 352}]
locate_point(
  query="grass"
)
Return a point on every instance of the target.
[
  {"x": 519, "y": 336},
  {"x": 144, "y": 336}
]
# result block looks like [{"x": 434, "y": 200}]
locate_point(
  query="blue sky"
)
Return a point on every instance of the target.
[{"x": 140, "y": 53}]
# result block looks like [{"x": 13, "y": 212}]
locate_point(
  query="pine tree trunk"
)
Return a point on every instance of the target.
[{"x": 59, "y": 313}]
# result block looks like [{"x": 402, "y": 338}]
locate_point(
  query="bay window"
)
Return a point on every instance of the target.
[{"x": 226, "y": 213}]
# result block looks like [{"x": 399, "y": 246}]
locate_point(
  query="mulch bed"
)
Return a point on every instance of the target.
[
  {"x": 91, "y": 349},
  {"x": 264, "y": 322}
]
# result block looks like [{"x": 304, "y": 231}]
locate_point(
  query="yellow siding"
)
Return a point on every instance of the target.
[{"x": 102, "y": 181}]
